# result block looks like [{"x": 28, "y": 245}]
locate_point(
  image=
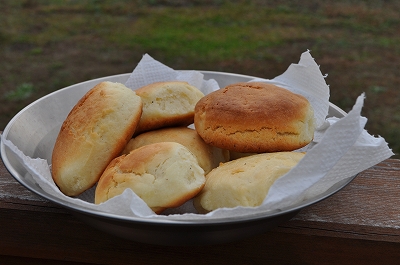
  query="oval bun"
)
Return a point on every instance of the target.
[
  {"x": 208, "y": 156},
  {"x": 164, "y": 175},
  {"x": 167, "y": 104},
  {"x": 255, "y": 117},
  {"x": 94, "y": 132},
  {"x": 244, "y": 181}
]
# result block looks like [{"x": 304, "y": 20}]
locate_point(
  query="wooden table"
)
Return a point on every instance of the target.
[{"x": 358, "y": 225}]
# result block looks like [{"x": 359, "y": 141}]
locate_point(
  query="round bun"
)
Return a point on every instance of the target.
[
  {"x": 164, "y": 175},
  {"x": 208, "y": 157},
  {"x": 244, "y": 181},
  {"x": 167, "y": 104},
  {"x": 255, "y": 117},
  {"x": 94, "y": 132}
]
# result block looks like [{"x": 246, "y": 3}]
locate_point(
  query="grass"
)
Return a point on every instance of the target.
[
  {"x": 47, "y": 45},
  {"x": 22, "y": 92}
]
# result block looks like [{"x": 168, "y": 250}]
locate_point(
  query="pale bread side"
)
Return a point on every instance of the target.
[
  {"x": 163, "y": 174},
  {"x": 244, "y": 181},
  {"x": 167, "y": 104},
  {"x": 95, "y": 132},
  {"x": 209, "y": 157}
]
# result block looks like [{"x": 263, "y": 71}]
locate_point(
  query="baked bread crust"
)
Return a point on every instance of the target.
[
  {"x": 244, "y": 181},
  {"x": 208, "y": 156},
  {"x": 164, "y": 175},
  {"x": 94, "y": 132},
  {"x": 255, "y": 117},
  {"x": 167, "y": 104}
]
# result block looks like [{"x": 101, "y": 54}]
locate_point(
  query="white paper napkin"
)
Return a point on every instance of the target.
[
  {"x": 150, "y": 71},
  {"x": 341, "y": 148}
]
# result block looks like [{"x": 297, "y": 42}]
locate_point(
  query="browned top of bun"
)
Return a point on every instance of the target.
[{"x": 255, "y": 117}]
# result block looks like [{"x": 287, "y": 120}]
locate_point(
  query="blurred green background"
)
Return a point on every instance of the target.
[{"x": 48, "y": 45}]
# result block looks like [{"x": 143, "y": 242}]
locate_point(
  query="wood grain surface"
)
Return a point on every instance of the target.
[{"x": 358, "y": 225}]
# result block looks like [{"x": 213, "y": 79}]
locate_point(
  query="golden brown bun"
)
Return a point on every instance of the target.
[
  {"x": 163, "y": 174},
  {"x": 167, "y": 104},
  {"x": 244, "y": 181},
  {"x": 255, "y": 117},
  {"x": 94, "y": 132},
  {"x": 208, "y": 156}
]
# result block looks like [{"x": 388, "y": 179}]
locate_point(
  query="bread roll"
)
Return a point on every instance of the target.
[
  {"x": 167, "y": 104},
  {"x": 163, "y": 174},
  {"x": 94, "y": 132},
  {"x": 207, "y": 156},
  {"x": 244, "y": 181},
  {"x": 255, "y": 117}
]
